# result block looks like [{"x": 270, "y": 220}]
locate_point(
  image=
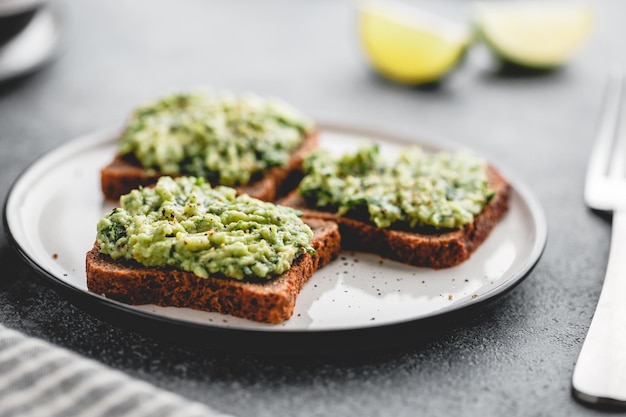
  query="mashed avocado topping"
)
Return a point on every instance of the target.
[
  {"x": 413, "y": 189},
  {"x": 221, "y": 138},
  {"x": 186, "y": 224}
]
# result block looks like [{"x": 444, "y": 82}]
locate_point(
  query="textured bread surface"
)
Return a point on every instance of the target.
[
  {"x": 427, "y": 249},
  {"x": 124, "y": 174},
  {"x": 267, "y": 301}
]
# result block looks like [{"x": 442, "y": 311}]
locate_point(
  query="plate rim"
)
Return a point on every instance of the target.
[{"x": 115, "y": 312}]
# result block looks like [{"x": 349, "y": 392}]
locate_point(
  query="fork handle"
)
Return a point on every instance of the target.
[{"x": 600, "y": 372}]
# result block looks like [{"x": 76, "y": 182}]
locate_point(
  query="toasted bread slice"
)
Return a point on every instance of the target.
[
  {"x": 268, "y": 301},
  {"x": 124, "y": 174},
  {"x": 427, "y": 248}
]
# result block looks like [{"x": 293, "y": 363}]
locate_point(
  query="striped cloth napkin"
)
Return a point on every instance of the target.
[{"x": 40, "y": 379}]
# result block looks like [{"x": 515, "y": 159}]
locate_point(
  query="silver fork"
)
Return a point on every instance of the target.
[{"x": 600, "y": 372}]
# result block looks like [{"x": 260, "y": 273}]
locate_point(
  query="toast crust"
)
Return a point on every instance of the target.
[
  {"x": 433, "y": 250},
  {"x": 271, "y": 301},
  {"x": 122, "y": 175}
]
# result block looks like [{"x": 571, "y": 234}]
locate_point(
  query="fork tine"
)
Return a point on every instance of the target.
[
  {"x": 617, "y": 167},
  {"x": 598, "y": 166}
]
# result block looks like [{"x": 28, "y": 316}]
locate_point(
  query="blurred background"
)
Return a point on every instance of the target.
[{"x": 98, "y": 59}]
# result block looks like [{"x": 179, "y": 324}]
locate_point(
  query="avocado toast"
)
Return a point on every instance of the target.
[
  {"x": 420, "y": 209},
  {"x": 253, "y": 144},
  {"x": 184, "y": 243}
]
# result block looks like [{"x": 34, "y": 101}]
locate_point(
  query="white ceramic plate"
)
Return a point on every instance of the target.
[{"x": 52, "y": 211}]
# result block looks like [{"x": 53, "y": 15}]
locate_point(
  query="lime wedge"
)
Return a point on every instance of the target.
[
  {"x": 534, "y": 35},
  {"x": 408, "y": 45}
]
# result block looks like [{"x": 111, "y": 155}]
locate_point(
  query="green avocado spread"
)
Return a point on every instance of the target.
[
  {"x": 225, "y": 139},
  {"x": 413, "y": 189},
  {"x": 186, "y": 224}
]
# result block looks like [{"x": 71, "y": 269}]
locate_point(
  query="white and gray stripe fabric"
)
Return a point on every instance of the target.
[{"x": 40, "y": 379}]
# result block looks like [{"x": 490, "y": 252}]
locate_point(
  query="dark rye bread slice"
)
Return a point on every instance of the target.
[
  {"x": 124, "y": 174},
  {"x": 270, "y": 301},
  {"x": 427, "y": 249}
]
